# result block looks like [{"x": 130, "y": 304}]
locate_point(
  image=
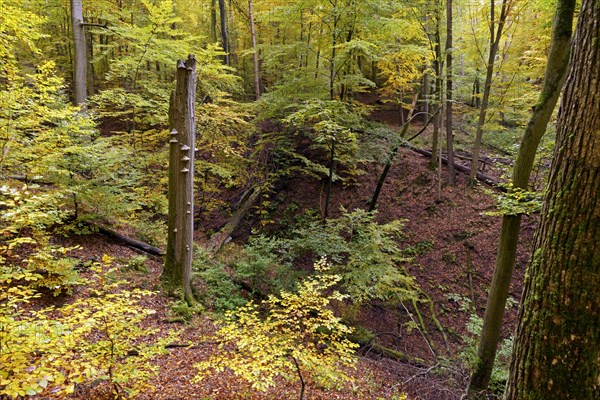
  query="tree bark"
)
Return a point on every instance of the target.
[
  {"x": 213, "y": 20},
  {"x": 505, "y": 260},
  {"x": 80, "y": 54},
  {"x": 437, "y": 68},
  {"x": 334, "y": 37},
  {"x": 224, "y": 35},
  {"x": 557, "y": 344},
  {"x": 178, "y": 261},
  {"x": 449, "y": 136}
]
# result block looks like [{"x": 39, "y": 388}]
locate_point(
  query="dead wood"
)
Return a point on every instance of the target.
[
  {"x": 488, "y": 180},
  {"x": 134, "y": 243},
  {"x": 220, "y": 238}
]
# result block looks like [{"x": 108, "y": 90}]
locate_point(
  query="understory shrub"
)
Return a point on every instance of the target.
[
  {"x": 296, "y": 336},
  {"x": 95, "y": 338}
]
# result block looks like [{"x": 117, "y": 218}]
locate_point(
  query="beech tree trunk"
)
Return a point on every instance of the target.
[
  {"x": 509, "y": 237},
  {"x": 437, "y": 68},
  {"x": 176, "y": 274},
  {"x": 224, "y": 35},
  {"x": 255, "y": 54},
  {"x": 557, "y": 345},
  {"x": 489, "y": 73},
  {"x": 80, "y": 54},
  {"x": 449, "y": 136},
  {"x": 213, "y": 20}
]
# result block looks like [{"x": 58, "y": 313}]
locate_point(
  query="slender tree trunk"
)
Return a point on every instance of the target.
[
  {"x": 224, "y": 35},
  {"x": 233, "y": 36},
  {"x": 318, "y": 57},
  {"x": 553, "y": 81},
  {"x": 80, "y": 54},
  {"x": 255, "y": 54},
  {"x": 213, "y": 20},
  {"x": 391, "y": 157},
  {"x": 449, "y": 136},
  {"x": 330, "y": 181},
  {"x": 437, "y": 67},
  {"x": 425, "y": 87},
  {"x": 334, "y": 37},
  {"x": 178, "y": 260},
  {"x": 90, "y": 65},
  {"x": 487, "y": 87},
  {"x": 557, "y": 344}
]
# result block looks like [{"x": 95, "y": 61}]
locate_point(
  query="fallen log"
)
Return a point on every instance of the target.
[
  {"x": 385, "y": 352},
  {"x": 28, "y": 179},
  {"x": 134, "y": 243},
  {"x": 481, "y": 177}
]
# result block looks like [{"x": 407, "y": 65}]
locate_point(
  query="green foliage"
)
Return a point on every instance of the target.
[
  {"x": 262, "y": 264},
  {"x": 502, "y": 362},
  {"x": 516, "y": 201},
  {"x": 364, "y": 253},
  {"x": 49, "y": 351},
  {"x": 420, "y": 248},
  {"x": 56, "y": 271},
  {"x": 213, "y": 285},
  {"x": 304, "y": 146},
  {"x": 299, "y": 336},
  {"x": 135, "y": 263},
  {"x": 140, "y": 79}
]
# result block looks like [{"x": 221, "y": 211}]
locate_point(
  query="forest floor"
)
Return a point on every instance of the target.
[{"x": 453, "y": 243}]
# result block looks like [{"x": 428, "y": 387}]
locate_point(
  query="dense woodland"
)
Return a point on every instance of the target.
[{"x": 313, "y": 199}]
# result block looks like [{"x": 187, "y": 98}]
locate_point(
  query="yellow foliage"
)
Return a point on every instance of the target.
[
  {"x": 300, "y": 336},
  {"x": 51, "y": 350}
]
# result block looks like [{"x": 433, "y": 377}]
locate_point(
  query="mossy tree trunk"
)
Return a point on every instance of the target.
[
  {"x": 557, "y": 345},
  {"x": 176, "y": 274},
  {"x": 507, "y": 249}
]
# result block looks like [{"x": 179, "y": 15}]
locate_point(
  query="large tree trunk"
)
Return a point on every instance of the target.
[
  {"x": 178, "y": 261},
  {"x": 489, "y": 73},
  {"x": 557, "y": 345},
  {"x": 507, "y": 249},
  {"x": 449, "y": 136},
  {"x": 80, "y": 54}
]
